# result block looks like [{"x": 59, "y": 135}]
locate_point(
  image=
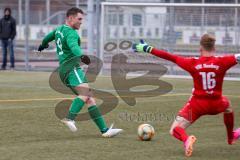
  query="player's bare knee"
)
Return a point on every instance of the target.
[
  {"x": 83, "y": 89},
  {"x": 84, "y": 98},
  {"x": 175, "y": 124},
  {"x": 171, "y": 131},
  {"x": 90, "y": 94},
  {"x": 91, "y": 101}
]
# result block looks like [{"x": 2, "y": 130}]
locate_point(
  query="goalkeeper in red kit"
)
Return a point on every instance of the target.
[{"x": 208, "y": 72}]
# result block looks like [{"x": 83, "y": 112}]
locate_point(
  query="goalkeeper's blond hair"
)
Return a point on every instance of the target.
[{"x": 208, "y": 42}]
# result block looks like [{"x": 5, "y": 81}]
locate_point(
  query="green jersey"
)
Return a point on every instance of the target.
[
  {"x": 67, "y": 42},
  {"x": 69, "y": 52}
]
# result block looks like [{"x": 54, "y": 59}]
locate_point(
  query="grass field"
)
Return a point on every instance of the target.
[{"x": 29, "y": 129}]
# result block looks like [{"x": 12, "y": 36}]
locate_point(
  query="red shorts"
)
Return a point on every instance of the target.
[{"x": 196, "y": 107}]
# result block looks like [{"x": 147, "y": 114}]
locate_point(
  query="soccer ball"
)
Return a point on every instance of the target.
[{"x": 145, "y": 132}]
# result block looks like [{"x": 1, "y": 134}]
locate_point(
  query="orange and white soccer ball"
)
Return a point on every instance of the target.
[{"x": 145, "y": 132}]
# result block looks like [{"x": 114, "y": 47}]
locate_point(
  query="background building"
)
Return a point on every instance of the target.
[{"x": 177, "y": 29}]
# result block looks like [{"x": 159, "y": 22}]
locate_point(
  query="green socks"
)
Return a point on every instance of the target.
[
  {"x": 75, "y": 108},
  {"x": 97, "y": 118},
  {"x": 94, "y": 113}
]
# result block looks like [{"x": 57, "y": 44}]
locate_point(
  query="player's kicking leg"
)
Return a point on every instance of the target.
[
  {"x": 95, "y": 114},
  {"x": 85, "y": 96},
  {"x": 188, "y": 145},
  {"x": 99, "y": 120},
  {"x": 178, "y": 131},
  {"x": 236, "y": 135}
]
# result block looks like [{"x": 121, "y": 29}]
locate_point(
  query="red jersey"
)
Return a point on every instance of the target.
[{"x": 207, "y": 72}]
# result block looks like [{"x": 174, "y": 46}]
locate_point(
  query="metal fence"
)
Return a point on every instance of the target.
[
  {"x": 36, "y": 18},
  {"x": 176, "y": 27},
  {"x": 170, "y": 26}
]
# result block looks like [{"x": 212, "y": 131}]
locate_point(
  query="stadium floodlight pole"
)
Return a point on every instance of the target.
[
  {"x": 171, "y": 27},
  {"x": 90, "y": 27},
  {"x": 202, "y": 17},
  {"x": 26, "y": 35},
  {"x": 117, "y": 34},
  {"x": 20, "y": 17},
  {"x": 102, "y": 35},
  {"x": 97, "y": 15},
  {"x": 48, "y": 13},
  {"x": 236, "y": 25},
  {"x": 77, "y": 3}
]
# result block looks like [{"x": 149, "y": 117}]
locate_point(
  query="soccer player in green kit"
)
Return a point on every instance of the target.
[{"x": 68, "y": 48}]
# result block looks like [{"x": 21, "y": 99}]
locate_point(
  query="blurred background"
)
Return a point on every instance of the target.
[{"x": 111, "y": 26}]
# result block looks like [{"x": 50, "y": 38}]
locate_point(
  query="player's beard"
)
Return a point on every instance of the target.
[{"x": 77, "y": 26}]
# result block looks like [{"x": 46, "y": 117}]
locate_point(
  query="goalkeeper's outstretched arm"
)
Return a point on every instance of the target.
[
  {"x": 144, "y": 47},
  {"x": 164, "y": 54}
]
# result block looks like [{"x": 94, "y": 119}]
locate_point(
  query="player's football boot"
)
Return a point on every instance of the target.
[
  {"x": 188, "y": 145},
  {"x": 111, "y": 132},
  {"x": 70, "y": 124},
  {"x": 236, "y": 136}
]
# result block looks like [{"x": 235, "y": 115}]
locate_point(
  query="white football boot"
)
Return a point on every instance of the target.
[
  {"x": 112, "y": 132},
  {"x": 70, "y": 124}
]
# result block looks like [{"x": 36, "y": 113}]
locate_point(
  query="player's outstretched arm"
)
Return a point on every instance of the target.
[
  {"x": 41, "y": 47},
  {"x": 143, "y": 47},
  {"x": 48, "y": 38}
]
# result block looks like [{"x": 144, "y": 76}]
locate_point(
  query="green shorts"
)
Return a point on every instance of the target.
[{"x": 75, "y": 77}]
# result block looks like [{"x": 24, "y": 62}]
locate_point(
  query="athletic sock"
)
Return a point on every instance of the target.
[
  {"x": 97, "y": 117},
  {"x": 75, "y": 108},
  {"x": 229, "y": 123},
  {"x": 180, "y": 133}
]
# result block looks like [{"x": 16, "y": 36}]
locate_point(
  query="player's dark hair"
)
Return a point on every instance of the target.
[
  {"x": 7, "y": 9},
  {"x": 74, "y": 11},
  {"x": 208, "y": 42}
]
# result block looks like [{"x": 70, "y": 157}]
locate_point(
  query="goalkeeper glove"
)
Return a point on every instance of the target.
[
  {"x": 41, "y": 47},
  {"x": 142, "y": 47},
  {"x": 85, "y": 59}
]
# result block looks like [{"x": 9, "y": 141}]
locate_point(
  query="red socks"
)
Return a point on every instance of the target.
[
  {"x": 180, "y": 134},
  {"x": 229, "y": 123}
]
